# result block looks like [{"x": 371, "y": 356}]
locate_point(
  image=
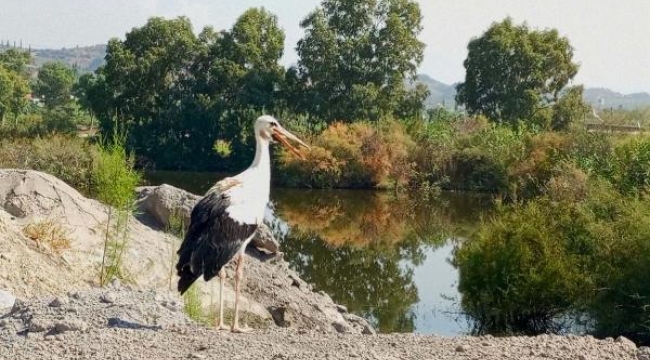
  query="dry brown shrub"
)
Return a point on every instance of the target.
[
  {"x": 358, "y": 155},
  {"x": 48, "y": 234}
]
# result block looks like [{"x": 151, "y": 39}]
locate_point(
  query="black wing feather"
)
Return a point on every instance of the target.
[{"x": 211, "y": 241}]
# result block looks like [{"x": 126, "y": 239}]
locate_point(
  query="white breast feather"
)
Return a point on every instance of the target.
[{"x": 248, "y": 198}]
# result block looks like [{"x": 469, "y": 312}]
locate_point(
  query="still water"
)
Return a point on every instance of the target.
[{"x": 384, "y": 256}]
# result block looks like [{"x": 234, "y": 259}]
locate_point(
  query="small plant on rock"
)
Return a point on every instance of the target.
[{"x": 48, "y": 234}]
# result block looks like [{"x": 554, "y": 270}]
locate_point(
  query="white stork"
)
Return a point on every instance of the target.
[{"x": 224, "y": 221}]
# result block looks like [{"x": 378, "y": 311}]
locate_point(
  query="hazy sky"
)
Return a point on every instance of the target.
[{"x": 611, "y": 37}]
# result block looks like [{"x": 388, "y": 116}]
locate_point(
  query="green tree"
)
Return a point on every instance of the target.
[
  {"x": 146, "y": 87},
  {"x": 55, "y": 82},
  {"x": 13, "y": 92},
  {"x": 569, "y": 108},
  {"x": 16, "y": 60},
  {"x": 356, "y": 57},
  {"x": 245, "y": 77},
  {"x": 180, "y": 92},
  {"x": 514, "y": 73}
]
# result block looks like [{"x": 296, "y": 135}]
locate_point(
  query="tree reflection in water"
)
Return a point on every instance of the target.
[{"x": 361, "y": 247}]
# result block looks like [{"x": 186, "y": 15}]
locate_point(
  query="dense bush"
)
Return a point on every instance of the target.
[
  {"x": 69, "y": 158},
  {"x": 534, "y": 262},
  {"x": 360, "y": 155},
  {"x": 630, "y": 165}
]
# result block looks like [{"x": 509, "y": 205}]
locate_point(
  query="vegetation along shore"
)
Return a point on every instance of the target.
[{"x": 567, "y": 237}]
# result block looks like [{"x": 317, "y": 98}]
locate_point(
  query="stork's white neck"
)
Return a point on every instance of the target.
[
  {"x": 260, "y": 169},
  {"x": 262, "y": 156}
]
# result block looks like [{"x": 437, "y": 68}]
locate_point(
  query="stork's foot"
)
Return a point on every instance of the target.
[
  {"x": 221, "y": 326},
  {"x": 240, "y": 330}
]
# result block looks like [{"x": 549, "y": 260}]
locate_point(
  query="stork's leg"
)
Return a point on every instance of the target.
[
  {"x": 239, "y": 273},
  {"x": 222, "y": 280}
]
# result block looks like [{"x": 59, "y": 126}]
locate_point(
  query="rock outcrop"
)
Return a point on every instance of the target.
[
  {"x": 162, "y": 202},
  {"x": 28, "y": 269}
]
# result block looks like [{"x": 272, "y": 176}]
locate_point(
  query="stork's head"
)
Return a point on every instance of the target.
[{"x": 267, "y": 127}]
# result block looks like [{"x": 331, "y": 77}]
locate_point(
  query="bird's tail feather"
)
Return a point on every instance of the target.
[{"x": 187, "y": 278}]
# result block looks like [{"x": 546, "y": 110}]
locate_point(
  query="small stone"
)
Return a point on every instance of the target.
[
  {"x": 6, "y": 301},
  {"x": 341, "y": 308},
  {"x": 39, "y": 325},
  {"x": 582, "y": 357},
  {"x": 4, "y": 323},
  {"x": 108, "y": 297},
  {"x": 295, "y": 280},
  {"x": 341, "y": 327},
  {"x": 462, "y": 348},
  {"x": 58, "y": 302},
  {"x": 326, "y": 295},
  {"x": 70, "y": 325},
  {"x": 625, "y": 342},
  {"x": 115, "y": 284},
  {"x": 7, "y": 257},
  {"x": 643, "y": 353},
  {"x": 368, "y": 330},
  {"x": 196, "y": 356}
]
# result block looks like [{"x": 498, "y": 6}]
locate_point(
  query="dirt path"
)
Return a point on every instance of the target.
[{"x": 128, "y": 324}]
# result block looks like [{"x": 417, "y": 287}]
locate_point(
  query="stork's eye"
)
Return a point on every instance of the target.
[{"x": 274, "y": 123}]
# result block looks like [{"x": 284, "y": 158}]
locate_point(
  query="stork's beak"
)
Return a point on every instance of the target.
[{"x": 281, "y": 135}]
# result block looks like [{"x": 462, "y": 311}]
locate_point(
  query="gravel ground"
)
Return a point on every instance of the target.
[{"x": 121, "y": 324}]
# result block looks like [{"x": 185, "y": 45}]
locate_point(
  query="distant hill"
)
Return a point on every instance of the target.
[
  {"x": 606, "y": 99},
  {"x": 443, "y": 94},
  {"x": 85, "y": 58}
]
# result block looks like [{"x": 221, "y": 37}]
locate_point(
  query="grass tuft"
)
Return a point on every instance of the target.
[{"x": 50, "y": 234}]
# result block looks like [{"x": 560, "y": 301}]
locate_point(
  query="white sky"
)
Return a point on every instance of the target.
[{"x": 611, "y": 37}]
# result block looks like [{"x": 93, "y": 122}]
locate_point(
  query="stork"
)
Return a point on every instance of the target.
[{"x": 224, "y": 221}]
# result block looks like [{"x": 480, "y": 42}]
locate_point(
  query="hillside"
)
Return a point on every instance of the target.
[
  {"x": 441, "y": 93},
  {"x": 85, "y": 58},
  {"x": 606, "y": 98}
]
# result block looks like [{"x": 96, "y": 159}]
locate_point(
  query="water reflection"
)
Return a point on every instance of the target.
[
  {"x": 387, "y": 258},
  {"x": 384, "y": 256},
  {"x": 363, "y": 247}
]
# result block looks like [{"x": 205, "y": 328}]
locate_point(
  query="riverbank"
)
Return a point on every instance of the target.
[
  {"x": 61, "y": 314},
  {"x": 122, "y": 324}
]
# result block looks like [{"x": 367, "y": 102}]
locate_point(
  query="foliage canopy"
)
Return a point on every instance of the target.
[{"x": 514, "y": 73}]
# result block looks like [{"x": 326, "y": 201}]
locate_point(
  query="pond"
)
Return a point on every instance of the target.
[
  {"x": 391, "y": 258},
  {"x": 384, "y": 256}
]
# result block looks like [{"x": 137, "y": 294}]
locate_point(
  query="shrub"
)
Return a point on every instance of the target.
[
  {"x": 114, "y": 180},
  {"x": 528, "y": 176},
  {"x": 630, "y": 165},
  {"x": 67, "y": 157},
  {"x": 473, "y": 169},
  {"x": 533, "y": 263},
  {"x": 50, "y": 234},
  {"x": 359, "y": 155}
]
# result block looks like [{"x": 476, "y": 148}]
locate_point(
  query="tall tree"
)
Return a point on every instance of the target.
[
  {"x": 356, "y": 57},
  {"x": 54, "y": 84},
  {"x": 245, "y": 76},
  {"x": 147, "y": 85},
  {"x": 13, "y": 93},
  {"x": 514, "y": 73},
  {"x": 180, "y": 92}
]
